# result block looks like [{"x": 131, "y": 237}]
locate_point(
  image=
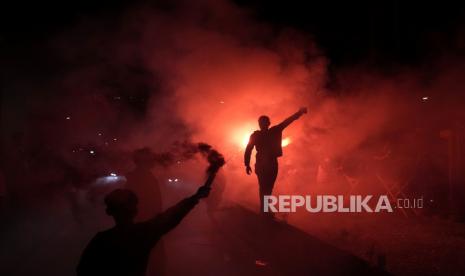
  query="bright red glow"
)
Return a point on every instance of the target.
[{"x": 244, "y": 140}]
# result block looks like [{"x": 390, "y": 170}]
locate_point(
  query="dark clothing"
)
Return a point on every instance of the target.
[
  {"x": 268, "y": 145},
  {"x": 268, "y": 142},
  {"x": 267, "y": 171},
  {"x": 125, "y": 249}
]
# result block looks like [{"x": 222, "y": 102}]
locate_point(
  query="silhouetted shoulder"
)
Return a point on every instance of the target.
[
  {"x": 276, "y": 128},
  {"x": 117, "y": 251},
  {"x": 92, "y": 259}
]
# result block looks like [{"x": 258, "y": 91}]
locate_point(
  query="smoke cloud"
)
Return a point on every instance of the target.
[
  {"x": 205, "y": 71},
  {"x": 158, "y": 75}
]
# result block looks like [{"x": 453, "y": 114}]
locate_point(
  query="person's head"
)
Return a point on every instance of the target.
[
  {"x": 264, "y": 122},
  {"x": 144, "y": 157},
  {"x": 121, "y": 205}
]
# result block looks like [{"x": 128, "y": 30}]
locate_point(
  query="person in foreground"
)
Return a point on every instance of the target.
[
  {"x": 267, "y": 142},
  {"x": 125, "y": 248}
]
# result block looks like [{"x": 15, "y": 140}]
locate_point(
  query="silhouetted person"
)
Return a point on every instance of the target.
[
  {"x": 267, "y": 142},
  {"x": 125, "y": 248}
]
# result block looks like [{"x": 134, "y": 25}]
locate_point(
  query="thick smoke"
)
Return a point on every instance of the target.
[
  {"x": 205, "y": 71},
  {"x": 187, "y": 151}
]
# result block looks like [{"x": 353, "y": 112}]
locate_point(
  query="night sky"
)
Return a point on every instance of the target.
[
  {"x": 383, "y": 36},
  {"x": 399, "y": 32}
]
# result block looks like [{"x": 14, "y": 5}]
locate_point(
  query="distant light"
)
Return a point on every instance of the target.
[
  {"x": 92, "y": 152},
  {"x": 175, "y": 180},
  {"x": 285, "y": 142},
  {"x": 221, "y": 102},
  {"x": 245, "y": 140},
  {"x": 114, "y": 139},
  {"x": 170, "y": 180},
  {"x": 240, "y": 137},
  {"x": 111, "y": 179},
  {"x": 425, "y": 98},
  {"x": 260, "y": 263},
  {"x": 99, "y": 134},
  {"x": 68, "y": 118}
]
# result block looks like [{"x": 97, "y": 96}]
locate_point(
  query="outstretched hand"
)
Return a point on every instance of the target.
[
  {"x": 303, "y": 110},
  {"x": 248, "y": 170},
  {"x": 203, "y": 192}
]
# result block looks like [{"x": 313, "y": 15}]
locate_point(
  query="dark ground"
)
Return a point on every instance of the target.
[{"x": 238, "y": 242}]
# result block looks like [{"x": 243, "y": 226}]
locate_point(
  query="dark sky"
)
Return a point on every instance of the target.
[{"x": 395, "y": 31}]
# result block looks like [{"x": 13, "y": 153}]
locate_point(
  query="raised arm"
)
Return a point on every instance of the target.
[
  {"x": 170, "y": 218},
  {"x": 292, "y": 118},
  {"x": 248, "y": 153}
]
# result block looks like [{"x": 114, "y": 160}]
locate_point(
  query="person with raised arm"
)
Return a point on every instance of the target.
[
  {"x": 267, "y": 142},
  {"x": 125, "y": 248}
]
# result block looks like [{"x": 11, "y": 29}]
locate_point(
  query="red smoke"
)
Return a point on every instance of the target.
[{"x": 206, "y": 71}]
